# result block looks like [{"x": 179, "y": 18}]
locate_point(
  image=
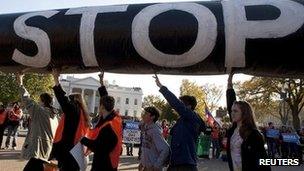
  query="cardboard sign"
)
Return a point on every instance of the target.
[
  {"x": 131, "y": 133},
  {"x": 272, "y": 133},
  {"x": 290, "y": 137}
]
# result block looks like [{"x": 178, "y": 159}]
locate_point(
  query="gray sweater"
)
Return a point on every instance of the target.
[
  {"x": 155, "y": 150},
  {"x": 39, "y": 140}
]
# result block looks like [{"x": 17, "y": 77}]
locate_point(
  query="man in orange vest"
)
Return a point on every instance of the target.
[{"x": 105, "y": 140}]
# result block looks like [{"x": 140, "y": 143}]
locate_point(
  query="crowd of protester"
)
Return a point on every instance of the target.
[
  {"x": 283, "y": 141},
  {"x": 10, "y": 118},
  {"x": 277, "y": 147},
  {"x": 173, "y": 145}
]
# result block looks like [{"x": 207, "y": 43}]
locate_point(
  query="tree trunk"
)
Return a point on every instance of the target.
[
  {"x": 295, "y": 120},
  {"x": 284, "y": 112},
  {"x": 284, "y": 120}
]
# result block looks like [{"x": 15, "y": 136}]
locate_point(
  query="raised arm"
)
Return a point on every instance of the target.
[
  {"x": 230, "y": 85},
  {"x": 174, "y": 102},
  {"x": 105, "y": 141},
  {"x": 102, "y": 89},
  {"x": 60, "y": 94},
  {"x": 29, "y": 104},
  {"x": 230, "y": 95}
]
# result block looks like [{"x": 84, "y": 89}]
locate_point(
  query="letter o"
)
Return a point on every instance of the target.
[{"x": 203, "y": 46}]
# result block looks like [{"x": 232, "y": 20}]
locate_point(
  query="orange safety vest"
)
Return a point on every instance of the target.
[
  {"x": 81, "y": 129},
  {"x": 116, "y": 125},
  {"x": 2, "y": 117}
]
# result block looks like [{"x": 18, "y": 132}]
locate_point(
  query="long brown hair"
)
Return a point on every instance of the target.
[
  {"x": 77, "y": 98},
  {"x": 248, "y": 121}
]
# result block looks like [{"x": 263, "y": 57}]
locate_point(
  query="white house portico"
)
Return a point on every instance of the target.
[{"x": 128, "y": 101}]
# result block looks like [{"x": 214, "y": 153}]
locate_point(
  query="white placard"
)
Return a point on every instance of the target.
[{"x": 78, "y": 154}]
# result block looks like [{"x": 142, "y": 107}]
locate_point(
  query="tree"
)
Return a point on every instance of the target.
[
  {"x": 166, "y": 111},
  {"x": 213, "y": 94},
  {"x": 37, "y": 84},
  {"x": 226, "y": 121},
  {"x": 284, "y": 112},
  {"x": 221, "y": 112},
  {"x": 152, "y": 100},
  {"x": 34, "y": 83},
  {"x": 261, "y": 97},
  {"x": 192, "y": 89},
  {"x": 295, "y": 98},
  {"x": 264, "y": 93},
  {"x": 8, "y": 88}
]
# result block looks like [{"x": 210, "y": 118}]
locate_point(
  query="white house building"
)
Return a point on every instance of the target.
[{"x": 128, "y": 100}]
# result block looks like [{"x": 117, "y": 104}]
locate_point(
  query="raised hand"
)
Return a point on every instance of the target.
[
  {"x": 230, "y": 85},
  {"x": 19, "y": 78},
  {"x": 157, "y": 81},
  {"x": 101, "y": 74},
  {"x": 56, "y": 75}
]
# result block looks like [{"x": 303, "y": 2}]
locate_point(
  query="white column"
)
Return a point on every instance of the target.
[{"x": 93, "y": 101}]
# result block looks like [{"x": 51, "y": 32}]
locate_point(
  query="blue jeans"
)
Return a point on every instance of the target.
[
  {"x": 129, "y": 149},
  {"x": 294, "y": 150},
  {"x": 2, "y": 128},
  {"x": 11, "y": 132},
  {"x": 271, "y": 147},
  {"x": 216, "y": 146}
]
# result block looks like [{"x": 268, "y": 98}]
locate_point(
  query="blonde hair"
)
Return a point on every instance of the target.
[{"x": 77, "y": 97}]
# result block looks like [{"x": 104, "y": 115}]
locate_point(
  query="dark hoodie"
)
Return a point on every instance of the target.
[{"x": 184, "y": 133}]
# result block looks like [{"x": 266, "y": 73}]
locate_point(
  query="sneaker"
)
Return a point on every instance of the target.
[{"x": 14, "y": 148}]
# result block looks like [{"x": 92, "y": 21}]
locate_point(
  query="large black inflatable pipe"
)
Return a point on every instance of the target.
[{"x": 259, "y": 37}]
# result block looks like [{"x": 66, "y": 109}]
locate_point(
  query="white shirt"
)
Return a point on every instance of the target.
[{"x": 235, "y": 147}]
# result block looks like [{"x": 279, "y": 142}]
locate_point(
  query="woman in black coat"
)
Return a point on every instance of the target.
[
  {"x": 73, "y": 106},
  {"x": 245, "y": 144}
]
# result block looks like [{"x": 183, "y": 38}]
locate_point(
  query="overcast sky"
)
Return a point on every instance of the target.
[{"x": 146, "y": 82}]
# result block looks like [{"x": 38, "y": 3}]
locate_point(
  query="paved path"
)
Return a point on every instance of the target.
[{"x": 10, "y": 161}]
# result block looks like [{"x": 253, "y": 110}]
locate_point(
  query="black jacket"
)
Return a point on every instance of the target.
[
  {"x": 230, "y": 97},
  {"x": 252, "y": 148},
  {"x": 104, "y": 144},
  {"x": 72, "y": 116}
]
